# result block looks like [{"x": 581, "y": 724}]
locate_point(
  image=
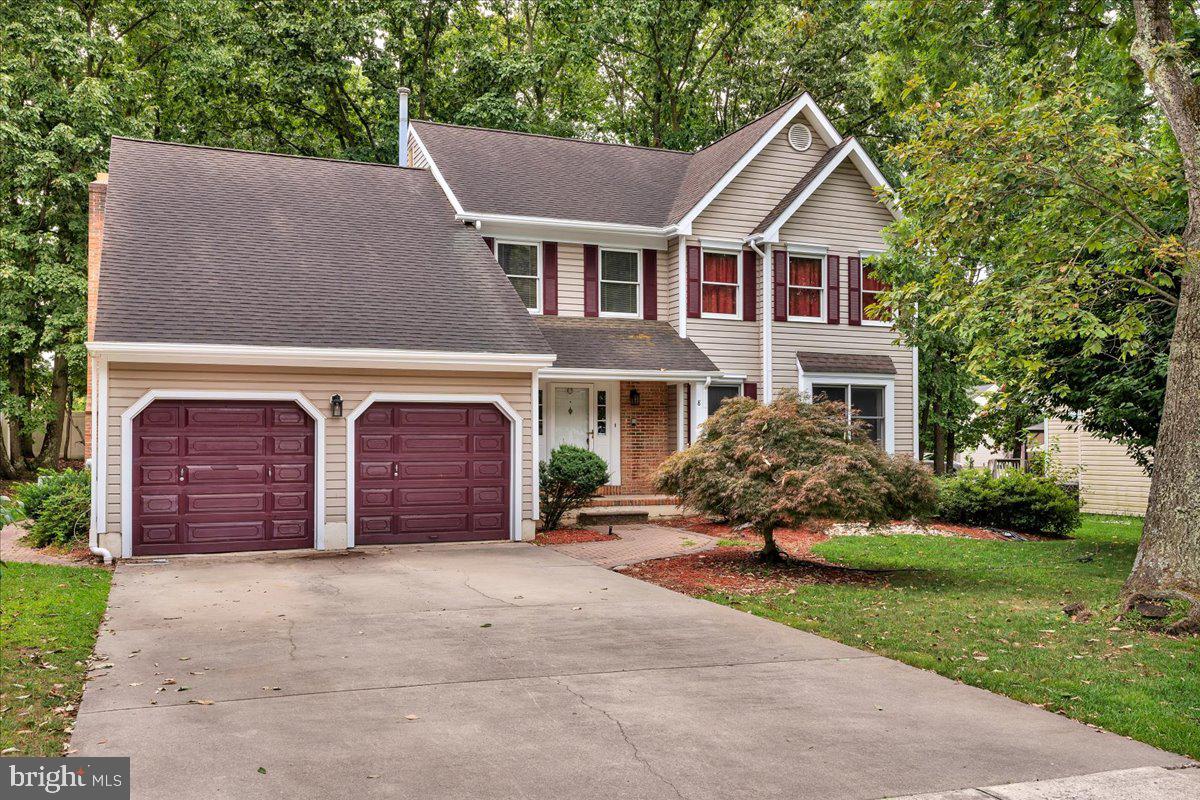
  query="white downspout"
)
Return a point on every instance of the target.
[
  {"x": 99, "y": 417},
  {"x": 768, "y": 299}
]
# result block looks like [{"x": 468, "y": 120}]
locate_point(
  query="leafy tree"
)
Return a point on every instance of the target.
[{"x": 788, "y": 462}]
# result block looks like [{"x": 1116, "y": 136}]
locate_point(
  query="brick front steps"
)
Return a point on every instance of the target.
[{"x": 633, "y": 500}]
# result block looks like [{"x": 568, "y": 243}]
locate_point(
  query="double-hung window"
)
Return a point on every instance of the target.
[
  {"x": 864, "y": 404},
  {"x": 806, "y": 288},
  {"x": 620, "y": 283},
  {"x": 720, "y": 289},
  {"x": 520, "y": 263},
  {"x": 874, "y": 312}
]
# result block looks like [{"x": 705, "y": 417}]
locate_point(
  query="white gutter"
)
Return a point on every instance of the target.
[
  {"x": 669, "y": 376},
  {"x": 578, "y": 224},
  {"x": 768, "y": 299},
  {"x": 318, "y": 356}
]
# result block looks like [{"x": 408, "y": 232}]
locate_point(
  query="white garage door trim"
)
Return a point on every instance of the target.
[
  {"x": 149, "y": 397},
  {"x": 517, "y": 464}
]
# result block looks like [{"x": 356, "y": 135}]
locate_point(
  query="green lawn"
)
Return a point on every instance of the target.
[
  {"x": 48, "y": 622},
  {"x": 989, "y": 613}
]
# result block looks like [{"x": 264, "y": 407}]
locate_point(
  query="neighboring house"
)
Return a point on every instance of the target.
[
  {"x": 293, "y": 352},
  {"x": 1110, "y": 482}
]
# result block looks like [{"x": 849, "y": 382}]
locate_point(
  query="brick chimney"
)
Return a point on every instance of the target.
[{"x": 97, "y": 194}]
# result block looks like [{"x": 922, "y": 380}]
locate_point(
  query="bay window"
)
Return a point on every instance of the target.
[
  {"x": 520, "y": 263},
  {"x": 719, "y": 285}
]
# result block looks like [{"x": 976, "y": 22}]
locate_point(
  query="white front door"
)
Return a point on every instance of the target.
[{"x": 573, "y": 416}]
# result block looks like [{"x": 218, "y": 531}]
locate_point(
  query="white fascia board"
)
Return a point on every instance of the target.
[
  {"x": 667, "y": 376},
  {"x": 433, "y": 168},
  {"x": 813, "y": 114},
  {"x": 318, "y": 356},
  {"x": 541, "y": 229},
  {"x": 858, "y": 156}
]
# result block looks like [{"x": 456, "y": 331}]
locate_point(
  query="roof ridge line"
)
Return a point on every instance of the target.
[
  {"x": 556, "y": 138},
  {"x": 751, "y": 122},
  {"x": 215, "y": 148}
]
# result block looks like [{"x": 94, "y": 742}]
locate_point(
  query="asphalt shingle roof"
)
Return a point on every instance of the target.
[
  {"x": 841, "y": 363},
  {"x": 629, "y": 344},
  {"x": 211, "y": 246},
  {"x": 503, "y": 172}
]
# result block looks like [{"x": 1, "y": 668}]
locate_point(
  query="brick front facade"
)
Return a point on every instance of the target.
[{"x": 647, "y": 433}]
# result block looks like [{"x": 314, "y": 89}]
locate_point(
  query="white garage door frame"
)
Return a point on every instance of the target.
[
  {"x": 516, "y": 463},
  {"x": 129, "y": 414}
]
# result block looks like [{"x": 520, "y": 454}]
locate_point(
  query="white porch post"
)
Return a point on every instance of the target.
[
  {"x": 699, "y": 407},
  {"x": 768, "y": 300},
  {"x": 681, "y": 411}
]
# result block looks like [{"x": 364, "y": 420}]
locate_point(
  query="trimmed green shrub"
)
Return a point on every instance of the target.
[
  {"x": 59, "y": 505},
  {"x": 569, "y": 479},
  {"x": 1015, "y": 500}
]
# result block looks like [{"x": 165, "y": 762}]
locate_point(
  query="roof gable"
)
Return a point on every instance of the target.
[{"x": 211, "y": 246}]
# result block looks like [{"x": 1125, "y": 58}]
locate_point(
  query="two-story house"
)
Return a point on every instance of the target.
[{"x": 293, "y": 353}]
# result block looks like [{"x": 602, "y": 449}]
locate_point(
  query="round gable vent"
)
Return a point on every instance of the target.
[{"x": 800, "y": 137}]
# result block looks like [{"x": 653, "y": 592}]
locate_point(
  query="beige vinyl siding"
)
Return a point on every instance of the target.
[
  {"x": 570, "y": 280},
  {"x": 1110, "y": 482},
  {"x": 668, "y": 283},
  {"x": 843, "y": 215},
  {"x": 754, "y": 192},
  {"x": 129, "y": 382},
  {"x": 416, "y": 156}
]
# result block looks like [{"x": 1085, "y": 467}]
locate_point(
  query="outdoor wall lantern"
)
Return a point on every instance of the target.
[
  {"x": 635, "y": 397},
  {"x": 335, "y": 405}
]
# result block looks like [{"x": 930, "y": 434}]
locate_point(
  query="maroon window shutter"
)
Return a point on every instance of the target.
[
  {"x": 693, "y": 281},
  {"x": 781, "y": 298},
  {"x": 650, "y": 284},
  {"x": 750, "y": 390},
  {"x": 854, "y": 287},
  {"x": 834, "y": 295},
  {"x": 550, "y": 278},
  {"x": 591, "y": 280},
  {"x": 490, "y": 242},
  {"x": 749, "y": 300}
]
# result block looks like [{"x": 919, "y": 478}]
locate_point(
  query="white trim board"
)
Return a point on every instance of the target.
[
  {"x": 555, "y": 374},
  {"x": 499, "y": 402},
  {"x": 128, "y": 415},
  {"x": 433, "y": 169},
  {"x": 319, "y": 356}
]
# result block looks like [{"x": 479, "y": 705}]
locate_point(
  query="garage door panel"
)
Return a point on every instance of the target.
[
  {"x": 432, "y": 417},
  {"x": 208, "y": 474},
  {"x": 247, "y": 484},
  {"x": 429, "y": 470},
  {"x": 158, "y": 446},
  {"x": 226, "y": 446},
  {"x": 226, "y": 503},
  {"x": 160, "y": 475},
  {"x": 434, "y": 443},
  {"x": 433, "y": 496},
  {"x": 232, "y": 531},
  {"x": 370, "y": 443},
  {"x": 225, "y": 416},
  {"x": 293, "y": 473},
  {"x": 450, "y": 477},
  {"x": 160, "y": 504}
]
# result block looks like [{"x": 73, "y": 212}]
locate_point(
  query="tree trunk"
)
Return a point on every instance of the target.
[
  {"x": 939, "y": 450},
  {"x": 770, "y": 550},
  {"x": 59, "y": 391},
  {"x": 1167, "y": 565},
  {"x": 949, "y": 465}
]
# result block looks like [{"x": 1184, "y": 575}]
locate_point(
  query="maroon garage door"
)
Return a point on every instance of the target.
[
  {"x": 220, "y": 476},
  {"x": 431, "y": 472}
]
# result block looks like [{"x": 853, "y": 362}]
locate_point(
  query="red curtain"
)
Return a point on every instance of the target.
[
  {"x": 805, "y": 272},
  {"x": 804, "y": 302},
  {"x": 721, "y": 268}
]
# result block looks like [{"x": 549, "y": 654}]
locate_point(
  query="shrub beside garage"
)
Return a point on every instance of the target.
[{"x": 58, "y": 507}]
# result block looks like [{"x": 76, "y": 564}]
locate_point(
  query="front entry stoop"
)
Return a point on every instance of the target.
[{"x": 614, "y": 516}]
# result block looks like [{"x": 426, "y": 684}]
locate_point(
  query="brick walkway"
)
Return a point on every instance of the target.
[{"x": 638, "y": 543}]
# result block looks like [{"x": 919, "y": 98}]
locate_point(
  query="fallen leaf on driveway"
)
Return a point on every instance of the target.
[
  {"x": 201, "y": 702},
  {"x": 411, "y": 716}
]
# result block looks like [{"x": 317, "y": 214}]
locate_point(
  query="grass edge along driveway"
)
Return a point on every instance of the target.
[
  {"x": 49, "y": 618},
  {"x": 990, "y": 614}
]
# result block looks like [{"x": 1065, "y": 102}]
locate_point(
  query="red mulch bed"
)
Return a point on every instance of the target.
[{"x": 571, "y": 536}]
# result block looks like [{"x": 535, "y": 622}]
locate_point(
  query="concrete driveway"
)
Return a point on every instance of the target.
[{"x": 507, "y": 671}]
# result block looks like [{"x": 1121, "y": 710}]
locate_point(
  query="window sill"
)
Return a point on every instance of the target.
[
  {"x": 874, "y": 323},
  {"x": 619, "y": 315},
  {"x": 806, "y": 319},
  {"x": 712, "y": 315}
]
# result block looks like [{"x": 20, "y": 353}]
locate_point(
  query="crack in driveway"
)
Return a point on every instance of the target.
[{"x": 633, "y": 748}]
